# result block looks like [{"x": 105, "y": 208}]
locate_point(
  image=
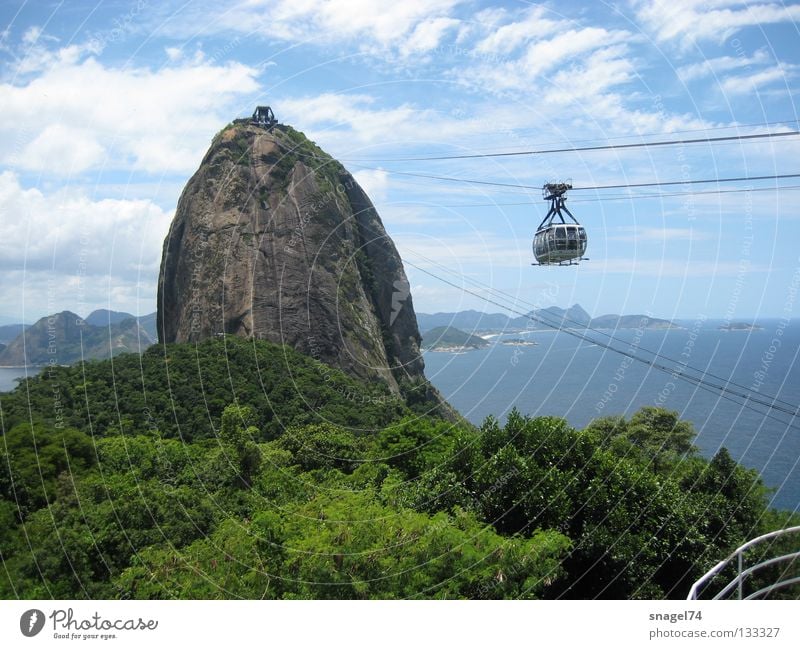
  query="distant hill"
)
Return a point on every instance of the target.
[
  {"x": 2, "y": 347},
  {"x": 467, "y": 320},
  {"x": 441, "y": 338},
  {"x": 570, "y": 318},
  {"x": 11, "y": 331},
  {"x": 148, "y": 323},
  {"x": 64, "y": 338},
  {"x": 575, "y": 317},
  {"x": 104, "y": 317},
  {"x": 472, "y": 320}
]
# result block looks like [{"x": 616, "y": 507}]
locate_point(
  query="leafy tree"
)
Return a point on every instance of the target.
[
  {"x": 656, "y": 434},
  {"x": 74, "y": 546},
  {"x": 415, "y": 444},
  {"x": 350, "y": 546},
  {"x": 238, "y": 434},
  {"x": 33, "y": 456},
  {"x": 323, "y": 446}
]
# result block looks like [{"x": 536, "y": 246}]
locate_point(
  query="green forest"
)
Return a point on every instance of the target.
[{"x": 241, "y": 469}]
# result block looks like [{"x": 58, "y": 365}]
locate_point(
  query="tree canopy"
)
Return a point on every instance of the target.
[{"x": 222, "y": 470}]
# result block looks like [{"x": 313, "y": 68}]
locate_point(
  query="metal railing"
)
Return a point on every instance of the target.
[{"x": 742, "y": 573}]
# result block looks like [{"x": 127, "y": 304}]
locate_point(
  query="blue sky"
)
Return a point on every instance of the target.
[{"x": 108, "y": 108}]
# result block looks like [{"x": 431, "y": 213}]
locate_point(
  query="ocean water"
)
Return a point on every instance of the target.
[
  {"x": 567, "y": 377},
  {"x": 10, "y": 375}
]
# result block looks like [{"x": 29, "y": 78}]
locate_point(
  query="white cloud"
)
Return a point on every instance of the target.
[
  {"x": 547, "y": 54},
  {"x": 591, "y": 48},
  {"x": 33, "y": 34},
  {"x": 374, "y": 24},
  {"x": 427, "y": 35},
  {"x": 174, "y": 53},
  {"x": 593, "y": 77},
  {"x": 62, "y": 150},
  {"x": 374, "y": 182},
  {"x": 690, "y": 21},
  {"x": 76, "y": 112},
  {"x": 89, "y": 250},
  {"x": 352, "y": 121},
  {"x": 39, "y": 57},
  {"x": 641, "y": 234},
  {"x": 751, "y": 83},
  {"x": 506, "y": 38},
  {"x": 716, "y": 66}
]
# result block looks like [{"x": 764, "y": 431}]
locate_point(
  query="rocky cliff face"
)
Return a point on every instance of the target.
[{"x": 274, "y": 239}]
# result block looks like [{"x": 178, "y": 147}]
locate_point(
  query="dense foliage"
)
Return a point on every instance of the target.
[
  {"x": 241, "y": 469},
  {"x": 180, "y": 391}
]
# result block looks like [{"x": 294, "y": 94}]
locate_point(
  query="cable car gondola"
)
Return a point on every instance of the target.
[{"x": 558, "y": 243}]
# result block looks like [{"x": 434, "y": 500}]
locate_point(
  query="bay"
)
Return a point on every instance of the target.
[{"x": 9, "y": 376}]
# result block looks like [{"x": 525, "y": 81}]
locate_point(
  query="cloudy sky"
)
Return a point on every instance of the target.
[{"x": 107, "y": 108}]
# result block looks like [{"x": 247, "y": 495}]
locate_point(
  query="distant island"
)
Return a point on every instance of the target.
[
  {"x": 519, "y": 342},
  {"x": 450, "y": 339},
  {"x": 631, "y": 322},
  {"x": 740, "y": 326}
]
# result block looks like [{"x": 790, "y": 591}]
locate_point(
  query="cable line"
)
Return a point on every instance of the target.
[
  {"x": 596, "y": 187},
  {"x": 719, "y": 390},
  {"x": 684, "y": 366},
  {"x": 624, "y": 197},
  {"x": 603, "y": 147}
]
